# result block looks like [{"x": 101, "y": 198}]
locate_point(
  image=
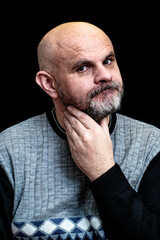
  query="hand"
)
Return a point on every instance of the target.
[{"x": 90, "y": 143}]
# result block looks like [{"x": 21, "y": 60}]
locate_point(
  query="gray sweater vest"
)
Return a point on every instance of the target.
[{"x": 51, "y": 196}]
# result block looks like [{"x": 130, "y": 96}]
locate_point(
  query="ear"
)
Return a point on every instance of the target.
[{"x": 47, "y": 83}]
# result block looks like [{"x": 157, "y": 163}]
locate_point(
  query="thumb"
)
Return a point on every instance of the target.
[{"x": 104, "y": 125}]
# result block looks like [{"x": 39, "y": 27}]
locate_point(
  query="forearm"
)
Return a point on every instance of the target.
[{"x": 122, "y": 209}]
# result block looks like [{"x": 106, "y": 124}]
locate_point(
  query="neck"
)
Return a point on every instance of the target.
[{"x": 60, "y": 117}]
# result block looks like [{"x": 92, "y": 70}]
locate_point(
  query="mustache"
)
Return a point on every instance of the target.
[{"x": 111, "y": 85}]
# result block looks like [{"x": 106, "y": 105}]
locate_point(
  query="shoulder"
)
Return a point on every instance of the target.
[
  {"x": 18, "y": 139},
  {"x": 29, "y": 126},
  {"x": 21, "y": 136},
  {"x": 134, "y": 126},
  {"x": 143, "y": 136}
]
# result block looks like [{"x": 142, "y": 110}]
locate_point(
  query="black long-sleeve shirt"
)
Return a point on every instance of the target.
[{"x": 127, "y": 214}]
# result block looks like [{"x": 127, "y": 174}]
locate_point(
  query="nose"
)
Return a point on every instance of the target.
[{"x": 102, "y": 74}]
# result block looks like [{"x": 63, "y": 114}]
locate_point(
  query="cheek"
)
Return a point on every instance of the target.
[
  {"x": 117, "y": 76},
  {"x": 119, "y": 79},
  {"x": 79, "y": 88},
  {"x": 76, "y": 86}
]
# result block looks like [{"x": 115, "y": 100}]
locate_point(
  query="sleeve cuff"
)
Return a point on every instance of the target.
[{"x": 110, "y": 184}]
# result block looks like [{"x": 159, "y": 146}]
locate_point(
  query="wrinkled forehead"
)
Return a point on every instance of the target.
[{"x": 84, "y": 45}]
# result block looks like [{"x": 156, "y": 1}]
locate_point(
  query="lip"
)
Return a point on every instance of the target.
[{"x": 105, "y": 93}]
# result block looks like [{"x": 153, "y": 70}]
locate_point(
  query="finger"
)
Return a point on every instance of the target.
[
  {"x": 67, "y": 124},
  {"x": 70, "y": 132},
  {"x": 86, "y": 120},
  {"x": 104, "y": 125},
  {"x": 74, "y": 124}
]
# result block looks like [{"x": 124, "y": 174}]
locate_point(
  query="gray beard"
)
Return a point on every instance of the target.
[
  {"x": 107, "y": 107},
  {"x": 97, "y": 110}
]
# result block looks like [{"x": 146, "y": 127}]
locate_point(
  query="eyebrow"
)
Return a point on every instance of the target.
[{"x": 82, "y": 62}]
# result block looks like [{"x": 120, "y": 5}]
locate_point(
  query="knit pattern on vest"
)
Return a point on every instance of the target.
[{"x": 52, "y": 197}]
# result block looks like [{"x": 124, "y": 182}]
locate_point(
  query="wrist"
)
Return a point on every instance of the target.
[{"x": 100, "y": 171}]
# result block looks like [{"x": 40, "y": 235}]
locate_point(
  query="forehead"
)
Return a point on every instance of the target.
[{"x": 89, "y": 47}]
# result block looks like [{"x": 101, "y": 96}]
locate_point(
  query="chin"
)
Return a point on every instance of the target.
[{"x": 103, "y": 109}]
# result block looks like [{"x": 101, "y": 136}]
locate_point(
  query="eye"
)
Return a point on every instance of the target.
[
  {"x": 82, "y": 69},
  {"x": 108, "y": 61}
]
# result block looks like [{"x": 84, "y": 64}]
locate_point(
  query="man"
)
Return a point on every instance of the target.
[{"x": 80, "y": 171}]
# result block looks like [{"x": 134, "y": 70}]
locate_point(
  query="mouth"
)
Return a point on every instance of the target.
[{"x": 105, "y": 91}]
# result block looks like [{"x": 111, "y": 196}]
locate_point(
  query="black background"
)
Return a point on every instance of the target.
[{"x": 128, "y": 24}]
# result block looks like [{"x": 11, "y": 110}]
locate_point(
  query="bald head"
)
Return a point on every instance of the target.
[{"x": 69, "y": 35}]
